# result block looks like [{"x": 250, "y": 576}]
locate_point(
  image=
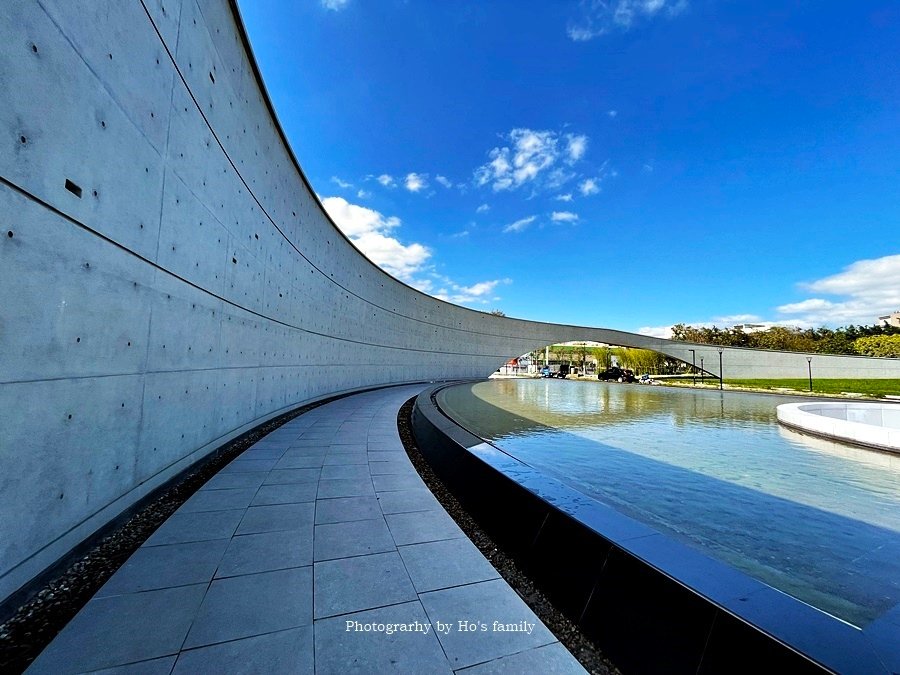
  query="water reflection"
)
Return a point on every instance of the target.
[{"x": 716, "y": 471}]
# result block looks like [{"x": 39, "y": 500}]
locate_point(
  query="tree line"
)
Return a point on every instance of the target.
[{"x": 876, "y": 340}]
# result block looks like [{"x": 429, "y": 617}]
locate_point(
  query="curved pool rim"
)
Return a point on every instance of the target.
[
  {"x": 868, "y": 425},
  {"x": 653, "y": 602}
]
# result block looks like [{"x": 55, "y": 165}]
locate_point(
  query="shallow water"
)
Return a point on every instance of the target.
[{"x": 817, "y": 520}]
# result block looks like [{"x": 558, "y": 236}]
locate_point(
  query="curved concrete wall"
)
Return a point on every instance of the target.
[{"x": 170, "y": 278}]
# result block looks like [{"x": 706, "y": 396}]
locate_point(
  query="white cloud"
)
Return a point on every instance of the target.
[
  {"x": 341, "y": 183},
  {"x": 656, "y": 331},
  {"x": 863, "y": 291},
  {"x": 564, "y": 198},
  {"x": 612, "y": 113},
  {"x": 519, "y": 225},
  {"x": 386, "y": 180},
  {"x": 737, "y": 318},
  {"x": 363, "y": 194},
  {"x": 369, "y": 231},
  {"x": 334, "y": 5},
  {"x": 531, "y": 155},
  {"x": 484, "y": 208},
  {"x": 480, "y": 293},
  {"x": 588, "y": 187},
  {"x": 563, "y": 217},
  {"x": 416, "y": 182},
  {"x": 599, "y": 17},
  {"x": 443, "y": 180},
  {"x": 576, "y": 146}
]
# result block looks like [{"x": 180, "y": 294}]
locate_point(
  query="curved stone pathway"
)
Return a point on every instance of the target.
[{"x": 319, "y": 549}]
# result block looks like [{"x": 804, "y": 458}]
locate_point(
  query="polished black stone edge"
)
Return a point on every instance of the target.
[{"x": 651, "y": 603}]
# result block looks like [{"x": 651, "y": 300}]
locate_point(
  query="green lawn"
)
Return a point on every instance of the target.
[{"x": 876, "y": 388}]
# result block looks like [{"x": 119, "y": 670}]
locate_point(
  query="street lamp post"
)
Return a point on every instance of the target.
[
  {"x": 693, "y": 367},
  {"x": 720, "y": 367},
  {"x": 702, "y": 372},
  {"x": 809, "y": 368}
]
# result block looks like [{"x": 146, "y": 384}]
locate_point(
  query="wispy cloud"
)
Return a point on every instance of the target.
[
  {"x": 588, "y": 187},
  {"x": 341, "y": 183},
  {"x": 519, "y": 225},
  {"x": 612, "y": 114},
  {"x": 334, "y": 5},
  {"x": 363, "y": 194},
  {"x": 599, "y": 17},
  {"x": 387, "y": 180},
  {"x": 480, "y": 293},
  {"x": 563, "y": 217},
  {"x": 863, "y": 291},
  {"x": 370, "y": 231},
  {"x": 564, "y": 198},
  {"x": 443, "y": 180},
  {"x": 415, "y": 182},
  {"x": 484, "y": 208},
  {"x": 531, "y": 157},
  {"x": 575, "y": 147}
]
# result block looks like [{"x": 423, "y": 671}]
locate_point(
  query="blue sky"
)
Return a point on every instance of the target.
[{"x": 629, "y": 163}]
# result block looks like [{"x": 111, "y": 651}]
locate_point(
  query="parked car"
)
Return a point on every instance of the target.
[
  {"x": 616, "y": 374},
  {"x": 546, "y": 372}
]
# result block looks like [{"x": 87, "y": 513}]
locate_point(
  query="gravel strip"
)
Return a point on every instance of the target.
[{"x": 565, "y": 630}]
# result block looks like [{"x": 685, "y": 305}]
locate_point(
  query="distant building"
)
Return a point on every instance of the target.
[
  {"x": 892, "y": 319},
  {"x": 750, "y": 327}
]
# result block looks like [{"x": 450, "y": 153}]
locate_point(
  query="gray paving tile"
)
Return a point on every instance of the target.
[
  {"x": 359, "y": 471},
  {"x": 345, "y": 458},
  {"x": 161, "y": 666},
  {"x": 307, "y": 461},
  {"x": 349, "y": 447},
  {"x": 265, "y": 552},
  {"x": 287, "y": 651},
  {"x": 306, "y": 451},
  {"x": 203, "y": 526},
  {"x": 152, "y": 567},
  {"x": 360, "y": 537},
  {"x": 421, "y": 527},
  {"x": 406, "y": 501},
  {"x": 339, "y": 650},
  {"x": 442, "y": 564},
  {"x": 401, "y": 467},
  {"x": 394, "y": 481},
  {"x": 345, "y": 487},
  {"x": 122, "y": 629},
  {"x": 344, "y": 509},
  {"x": 280, "y": 477},
  {"x": 276, "y": 517},
  {"x": 288, "y": 493},
  {"x": 493, "y": 604},
  {"x": 381, "y": 456},
  {"x": 272, "y": 452},
  {"x": 552, "y": 659},
  {"x": 227, "y": 481},
  {"x": 218, "y": 500},
  {"x": 241, "y": 465},
  {"x": 254, "y": 604},
  {"x": 364, "y": 582}
]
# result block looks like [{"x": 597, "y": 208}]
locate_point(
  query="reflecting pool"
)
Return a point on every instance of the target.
[{"x": 817, "y": 520}]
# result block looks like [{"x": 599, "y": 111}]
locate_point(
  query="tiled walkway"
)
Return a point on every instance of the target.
[{"x": 297, "y": 558}]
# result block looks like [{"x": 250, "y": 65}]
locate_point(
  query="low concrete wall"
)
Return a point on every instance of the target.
[
  {"x": 170, "y": 278},
  {"x": 875, "y": 425}
]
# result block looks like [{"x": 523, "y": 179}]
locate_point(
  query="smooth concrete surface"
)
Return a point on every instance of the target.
[
  {"x": 172, "y": 280},
  {"x": 326, "y": 536},
  {"x": 872, "y": 424}
]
